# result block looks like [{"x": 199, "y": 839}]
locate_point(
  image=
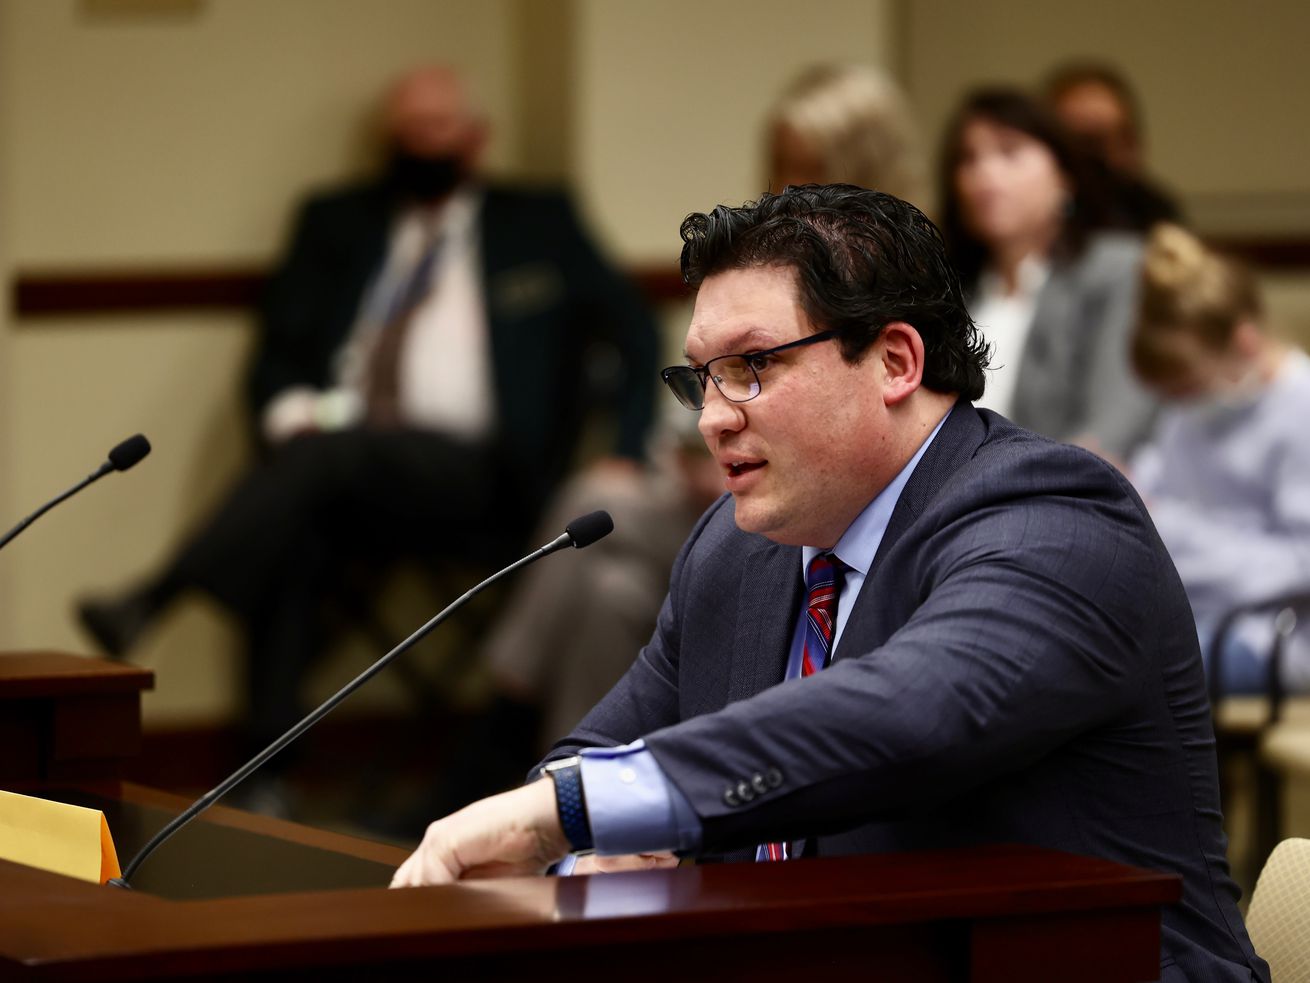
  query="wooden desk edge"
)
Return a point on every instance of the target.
[{"x": 119, "y": 934}]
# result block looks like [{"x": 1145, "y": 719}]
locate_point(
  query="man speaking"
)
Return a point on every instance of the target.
[{"x": 909, "y": 625}]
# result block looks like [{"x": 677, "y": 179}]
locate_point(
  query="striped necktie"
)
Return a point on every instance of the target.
[
  {"x": 822, "y": 583},
  {"x": 382, "y": 374},
  {"x": 822, "y": 588}
]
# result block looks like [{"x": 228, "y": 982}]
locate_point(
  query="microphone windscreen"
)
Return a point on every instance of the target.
[
  {"x": 129, "y": 452},
  {"x": 586, "y": 529}
]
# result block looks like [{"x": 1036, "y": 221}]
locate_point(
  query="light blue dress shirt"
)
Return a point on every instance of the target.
[
  {"x": 1227, "y": 485},
  {"x": 632, "y": 805}
]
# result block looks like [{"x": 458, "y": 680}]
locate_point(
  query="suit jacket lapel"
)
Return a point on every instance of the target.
[
  {"x": 491, "y": 226},
  {"x": 495, "y": 224},
  {"x": 956, "y": 442},
  {"x": 771, "y": 588},
  {"x": 954, "y": 445},
  {"x": 1050, "y": 355}
]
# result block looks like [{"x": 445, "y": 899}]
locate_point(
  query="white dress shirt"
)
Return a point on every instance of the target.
[{"x": 446, "y": 381}]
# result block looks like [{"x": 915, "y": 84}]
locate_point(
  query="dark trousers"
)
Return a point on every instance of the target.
[{"x": 278, "y": 545}]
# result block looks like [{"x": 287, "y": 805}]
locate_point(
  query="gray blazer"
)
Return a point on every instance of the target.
[
  {"x": 1075, "y": 375},
  {"x": 1019, "y": 666}
]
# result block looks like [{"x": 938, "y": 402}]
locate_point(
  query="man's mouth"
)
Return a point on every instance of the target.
[{"x": 736, "y": 468}]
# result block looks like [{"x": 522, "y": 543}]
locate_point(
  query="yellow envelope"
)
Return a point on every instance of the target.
[{"x": 54, "y": 836}]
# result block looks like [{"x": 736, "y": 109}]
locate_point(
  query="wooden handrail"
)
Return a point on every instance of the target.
[
  {"x": 37, "y": 292},
  {"x": 108, "y": 290}
]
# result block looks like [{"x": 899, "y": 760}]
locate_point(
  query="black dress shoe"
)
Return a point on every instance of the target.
[{"x": 115, "y": 625}]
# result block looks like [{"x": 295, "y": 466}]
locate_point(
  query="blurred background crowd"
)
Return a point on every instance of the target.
[{"x": 389, "y": 284}]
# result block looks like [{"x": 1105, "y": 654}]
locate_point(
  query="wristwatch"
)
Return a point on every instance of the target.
[{"x": 572, "y": 804}]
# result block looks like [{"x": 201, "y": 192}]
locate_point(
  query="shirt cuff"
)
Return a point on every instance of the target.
[
  {"x": 301, "y": 408},
  {"x": 632, "y": 806},
  {"x": 289, "y": 412}
]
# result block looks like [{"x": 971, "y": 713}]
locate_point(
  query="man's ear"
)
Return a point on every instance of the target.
[{"x": 901, "y": 350}]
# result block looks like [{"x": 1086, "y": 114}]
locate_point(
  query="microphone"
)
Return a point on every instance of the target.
[
  {"x": 127, "y": 454},
  {"x": 122, "y": 457},
  {"x": 582, "y": 531}
]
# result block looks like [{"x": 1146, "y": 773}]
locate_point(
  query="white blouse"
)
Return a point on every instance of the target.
[{"x": 1005, "y": 320}]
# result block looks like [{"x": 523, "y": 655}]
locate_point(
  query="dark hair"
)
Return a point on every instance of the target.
[
  {"x": 1071, "y": 75},
  {"x": 1016, "y": 110},
  {"x": 862, "y": 259}
]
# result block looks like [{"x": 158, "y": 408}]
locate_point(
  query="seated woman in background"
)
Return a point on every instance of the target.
[
  {"x": 844, "y": 124},
  {"x": 1054, "y": 297},
  {"x": 1227, "y": 474}
]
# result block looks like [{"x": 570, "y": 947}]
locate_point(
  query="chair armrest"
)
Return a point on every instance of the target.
[{"x": 1286, "y": 608}]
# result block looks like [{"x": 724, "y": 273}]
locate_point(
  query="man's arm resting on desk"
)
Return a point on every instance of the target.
[
  {"x": 638, "y": 817},
  {"x": 635, "y": 816},
  {"x": 516, "y": 833}
]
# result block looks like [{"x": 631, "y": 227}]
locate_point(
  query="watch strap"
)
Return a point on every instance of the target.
[{"x": 571, "y": 802}]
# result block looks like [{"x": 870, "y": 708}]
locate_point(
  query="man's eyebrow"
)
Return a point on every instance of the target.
[{"x": 746, "y": 341}]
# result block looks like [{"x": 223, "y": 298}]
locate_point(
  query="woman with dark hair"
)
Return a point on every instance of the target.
[{"x": 1054, "y": 296}]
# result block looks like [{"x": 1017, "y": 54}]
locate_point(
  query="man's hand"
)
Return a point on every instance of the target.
[
  {"x": 595, "y": 864},
  {"x": 515, "y": 833}
]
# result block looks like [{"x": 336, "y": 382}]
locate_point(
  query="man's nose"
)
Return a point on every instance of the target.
[{"x": 720, "y": 415}]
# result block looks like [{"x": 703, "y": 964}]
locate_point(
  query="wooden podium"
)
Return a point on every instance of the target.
[{"x": 239, "y": 896}]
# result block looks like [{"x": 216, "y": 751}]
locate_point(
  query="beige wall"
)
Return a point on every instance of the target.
[
  {"x": 9, "y": 511},
  {"x": 671, "y": 95},
  {"x": 184, "y": 139}
]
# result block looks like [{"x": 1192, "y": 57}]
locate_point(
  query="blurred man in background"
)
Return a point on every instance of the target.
[
  {"x": 421, "y": 378},
  {"x": 1098, "y": 107}
]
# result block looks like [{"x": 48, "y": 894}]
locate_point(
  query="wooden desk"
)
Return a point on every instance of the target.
[
  {"x": 66, "y": 718},
  {"x": 996, "y": 913}
]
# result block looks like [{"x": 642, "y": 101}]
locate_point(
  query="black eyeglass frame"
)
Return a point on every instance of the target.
[{"x": 688, "y": 395}]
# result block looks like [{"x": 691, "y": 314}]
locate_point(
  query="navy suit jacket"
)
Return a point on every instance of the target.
[
  {"x": 1020, "y": 666},
  {"x": 549, "y": 297}
]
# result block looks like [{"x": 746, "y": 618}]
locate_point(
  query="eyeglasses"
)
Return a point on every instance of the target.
[{"x": 737, "y": 377}]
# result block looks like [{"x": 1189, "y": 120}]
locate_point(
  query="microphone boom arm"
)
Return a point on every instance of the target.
[
  {"x": 96, "y": 475},
  {"x": 124, "y": 455},
  {"x": 253, "y": 765}
]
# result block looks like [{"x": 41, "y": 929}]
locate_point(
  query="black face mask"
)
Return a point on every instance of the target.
[{"x": 424, "y": 178}]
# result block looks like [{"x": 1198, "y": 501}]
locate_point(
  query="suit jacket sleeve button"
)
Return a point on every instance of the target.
[
  {"x": 730, "y": 797},
  {"x": 758, "y": 783},
  {"x": 774, "y": 777},
  {"x": 744, "y": 791}
]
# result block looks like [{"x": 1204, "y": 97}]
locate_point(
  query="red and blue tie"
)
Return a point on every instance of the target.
[{"x": 822, "y": 587}]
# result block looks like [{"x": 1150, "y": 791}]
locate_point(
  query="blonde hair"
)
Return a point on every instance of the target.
[
  {"x": 1188, "y": 291},
  {"x": 856, "y": 118}
]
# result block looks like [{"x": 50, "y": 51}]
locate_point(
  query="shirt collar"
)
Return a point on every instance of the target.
[
  {"x": 452, "y": 219},
  {"x": 1031, "y": 276},
  {"x": 859, "y": 543}
]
